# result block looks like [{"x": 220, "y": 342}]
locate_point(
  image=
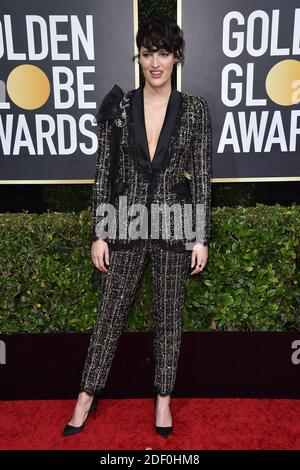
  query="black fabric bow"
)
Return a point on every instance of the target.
[{"x": 109, "y": 107}]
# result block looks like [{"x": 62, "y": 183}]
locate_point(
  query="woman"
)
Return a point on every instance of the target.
[{"x": 154, "y": 150}]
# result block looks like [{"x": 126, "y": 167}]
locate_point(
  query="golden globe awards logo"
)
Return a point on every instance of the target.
[
  {"x": 51, "y": 95},
  {"x": 258, "y": 36}
]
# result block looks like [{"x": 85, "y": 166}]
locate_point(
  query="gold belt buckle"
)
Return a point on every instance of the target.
[{"x": 187, "y": 175}]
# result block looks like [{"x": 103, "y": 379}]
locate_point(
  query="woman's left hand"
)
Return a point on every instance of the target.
[{"x": 199, "y": 257}]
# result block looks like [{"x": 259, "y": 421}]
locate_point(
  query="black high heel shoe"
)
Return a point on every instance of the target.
[
  {"x": 163, "y": 431},
  {"x": 69, "y": 429}
]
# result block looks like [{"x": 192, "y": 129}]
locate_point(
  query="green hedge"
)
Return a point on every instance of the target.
[{"x": 251, "y": 282}]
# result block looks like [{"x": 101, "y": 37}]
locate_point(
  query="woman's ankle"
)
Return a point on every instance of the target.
[
  {"x": 84, "y": 397},
  {"x": 166, "y": 399}
]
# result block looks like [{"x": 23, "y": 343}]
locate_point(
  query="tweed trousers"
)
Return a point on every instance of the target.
[{"x": 170, "y": 270}]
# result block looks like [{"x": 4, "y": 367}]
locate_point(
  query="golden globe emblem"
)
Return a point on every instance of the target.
[
  {"x": 283, "y": 82},
  {"x": 28, "y": 86}
]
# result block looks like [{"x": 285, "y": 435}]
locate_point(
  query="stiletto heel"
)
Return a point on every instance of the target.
[
  {"x": 163, "y": 431},
  {"x": 69, "y": 429}
]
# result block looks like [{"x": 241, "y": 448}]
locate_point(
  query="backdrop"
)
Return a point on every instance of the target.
[
  {"x": 58, "y": 59},
  {"x": 243, "y": 57}
]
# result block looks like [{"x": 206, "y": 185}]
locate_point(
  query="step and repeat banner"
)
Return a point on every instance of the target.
[
  {"x": 243, "y": 57},
  {"x": 57, "y": 60}
]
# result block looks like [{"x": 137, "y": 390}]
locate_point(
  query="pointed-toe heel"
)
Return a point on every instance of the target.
[
  {"x": 69, "y": 429},
  {"x": 163, "y": 431}
]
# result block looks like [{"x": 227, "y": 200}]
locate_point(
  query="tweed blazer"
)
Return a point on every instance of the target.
[{"x": 128, "y": 184}]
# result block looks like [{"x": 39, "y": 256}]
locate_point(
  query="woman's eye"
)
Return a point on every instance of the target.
[{"x": 165, "y": 54}]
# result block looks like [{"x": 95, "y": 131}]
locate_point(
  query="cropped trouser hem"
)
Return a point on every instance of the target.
[
  {"x": 91, "y": 392},
  {"x": 156, "y": 390}
]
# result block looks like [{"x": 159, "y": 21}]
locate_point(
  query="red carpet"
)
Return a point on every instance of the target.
[{"x": 129, "y": 425}]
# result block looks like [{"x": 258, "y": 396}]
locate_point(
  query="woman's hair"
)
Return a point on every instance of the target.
[{"x": 161, "y": 33}]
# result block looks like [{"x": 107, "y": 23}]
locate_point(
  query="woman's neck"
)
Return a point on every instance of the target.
[{"x": 161, "y": 93}]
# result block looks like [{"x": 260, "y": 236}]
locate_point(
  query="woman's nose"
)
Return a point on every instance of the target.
[{"x": 155, "y": 60}]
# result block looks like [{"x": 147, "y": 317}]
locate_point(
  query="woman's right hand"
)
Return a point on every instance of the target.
[{"x": 100, "y": 253}]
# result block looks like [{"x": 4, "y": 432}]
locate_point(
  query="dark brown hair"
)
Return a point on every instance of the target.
[{"x": 161, "y": 33}]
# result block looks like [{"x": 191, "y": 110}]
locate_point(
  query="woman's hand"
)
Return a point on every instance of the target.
[
  {"x": 199, "y": 256},
  {"x": 100, "y": 253}
]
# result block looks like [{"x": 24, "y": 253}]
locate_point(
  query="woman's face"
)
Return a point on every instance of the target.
[{"x": 157, "y": 66}]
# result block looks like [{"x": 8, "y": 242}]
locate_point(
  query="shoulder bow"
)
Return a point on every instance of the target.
[
  {"x": 110, "y": 109},
  {"x": 110, "y": 105}
]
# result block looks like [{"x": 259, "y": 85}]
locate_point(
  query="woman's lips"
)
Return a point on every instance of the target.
[{"x": 156, "y": 74}]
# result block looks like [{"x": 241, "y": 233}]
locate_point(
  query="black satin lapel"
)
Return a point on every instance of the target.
[
  {"x": 139, "y": 130},
  {"x": 165, "y": 135},
  {"x": 167, "y": 129}
]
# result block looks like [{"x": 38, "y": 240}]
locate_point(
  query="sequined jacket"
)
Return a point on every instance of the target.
[{"x": 179, "y": 172}]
